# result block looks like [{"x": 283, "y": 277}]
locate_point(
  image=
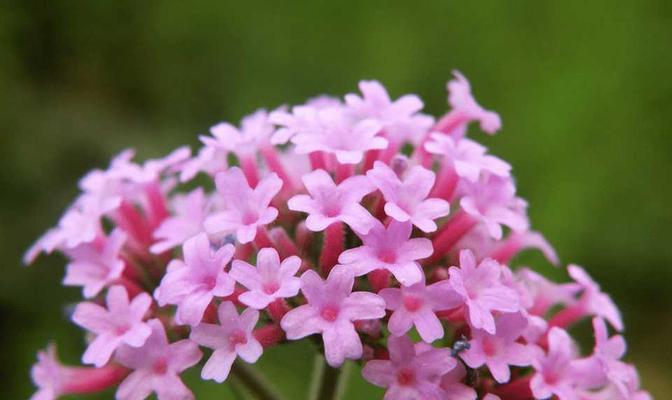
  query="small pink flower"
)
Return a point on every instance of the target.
[
  {"x": 500, "y": 350},
  {"x": 120, "y": 323},
  {"x": 255, "y": 132},
  {"x": 462, "y": 101},
  {"x": 193, "y": 283},
  {"x": 54, "y": 379},
  {"x": 416, "y": 304},
  {"x": 331, "y": 310},
  {"x": 210, "y": 160},
  {"x": 230, "y": 339},
  {"x": 328, "y": 203},
  {"x": 190, "y": 212},
  {"x": 96, "y": 265},
  {"x": 410, "y": 373},
  {"x": 593, "y": 299},
  {"x": 555, "y": 372},
  {"x": 341, "y": 135},
  {"x": 389, "y": 248},
  {"x": 302, "y": 119},
  {"x": 400, "y": 119},
  {"x": 157, "y": 367},
  {"x": 544, "y": 294},
  {"x": 269, "y": 281},
  {"x": 407, "y": 200},
  {"x": 608, "y": 353},
  {"x": 466, "y": 157},
  {"x": 454, "y": 387},
  {"x": 492, "y": 201},
  {"x": 245, "y": 209},
  {"x": 482, "y": 291}
]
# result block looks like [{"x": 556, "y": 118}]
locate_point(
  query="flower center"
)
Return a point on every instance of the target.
[
  {"x": 209, "y": 282},
  {"x": 489, "y": 347},
  {"x": 387, "y": 256},
  {"x": 405, "y": 377},
  {"x": 270, "y": 287},
  {"x": 160, "y": 366},
  {"x": 329, "y": 313},
  {"x": 122, "y": 329},
  {"x": 412, "y": 303},
  {"x": 237, "y": 337},
  {"x": 250, "y": 217}
]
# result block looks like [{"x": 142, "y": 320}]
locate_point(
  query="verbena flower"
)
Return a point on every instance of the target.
[{"x": 386, "y": 237}]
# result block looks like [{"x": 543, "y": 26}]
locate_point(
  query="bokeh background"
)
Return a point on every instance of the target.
[{"x": 584, "y": 90}]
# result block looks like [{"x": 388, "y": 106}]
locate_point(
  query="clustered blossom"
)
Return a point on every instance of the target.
[{"x": 361, "y": 222}]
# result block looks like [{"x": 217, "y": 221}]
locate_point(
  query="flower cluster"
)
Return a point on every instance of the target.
[{"x": 360, "y": 221}]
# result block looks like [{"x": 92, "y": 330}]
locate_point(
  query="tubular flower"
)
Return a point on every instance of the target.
[{"x": 382, "y": 233}]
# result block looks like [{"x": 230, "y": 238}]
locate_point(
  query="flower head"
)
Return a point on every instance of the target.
[
  {"x": 482, "y": 291},
  {"x": 331, "y": 310},
  {"x": 411, "y": 373},
  {"x": 499, "y": 350},
  {"x": 120, "y": 323},
  {"x": 96, "y": 265},
  {"x": 400, "y": 119},
  {"x": 461, "y": 99},
  {"x": 406, "y": 200},
  {"x": 245, "y": 209},
  {"x": 389, "y": 248},
  {"x": 269, "y": 281},
  {"x": 339, "y": 134},
  {"x": 230, "y": 339},
  {"x": 328, "y": 203},
  {"x": 416, "y": 305},
  {"x": 157, "y": 366},
  {"x": 190, "y": 212},
  {"x": 193, "y": 283}
]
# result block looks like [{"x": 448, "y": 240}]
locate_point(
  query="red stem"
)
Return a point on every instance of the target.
[
  {"x": 332, "y": 246},
  {"x": 449, "y": 234}
]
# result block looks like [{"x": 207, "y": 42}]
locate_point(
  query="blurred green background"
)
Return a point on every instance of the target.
[{"x": 583, "y": 87}]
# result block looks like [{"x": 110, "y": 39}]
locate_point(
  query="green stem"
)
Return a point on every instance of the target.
[
  {"x": 254, "y": 382},
  {"x": 328, "y": 383}
]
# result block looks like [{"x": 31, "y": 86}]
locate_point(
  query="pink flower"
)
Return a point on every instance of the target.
[
  {"x": 79, "y": 225},
  {"x": 255, "y": 131},
  {"x": 54, "y": 379},
  {"x": 482, "y": 291},
  {"x": 593, "y": 300},
  {"x": 466, "y": 157},
  {"x": 302, "y": 119},
  {"x": 190, "y": 212},
  {"x": 331, "y": 311},
  {"x": 416, "y": 304},
  {"x": 462, "y": 101},
  {"x": 492, "y": 201},
  {"x": 407, "y": 200},
  {"x": 193, "y": 283},
  {"x": 500, "y": 350},
  {"x": 96, "y": 265},
  {"x": 328, "y": 202},
  {"x": 341, "y": 135},
  {"x": 270, "y": 280},
  {"x": 453, "y": 386},
  {"x": 121, "y": 323},
  {"x": 400, "y": 119},
  {"x": 389, "y": 248},
  {"x": 157, "y": 367},
  {"x": 210, "y": 160},
  {"x": 231, "y": 338},
  {"x": 555, "y": 372},
  {"x": 410, "y": 374},
  {"x": 544, "y": 294},
  {"x": 245, "y": 209},
  {"x": 608, "y": 353}
]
